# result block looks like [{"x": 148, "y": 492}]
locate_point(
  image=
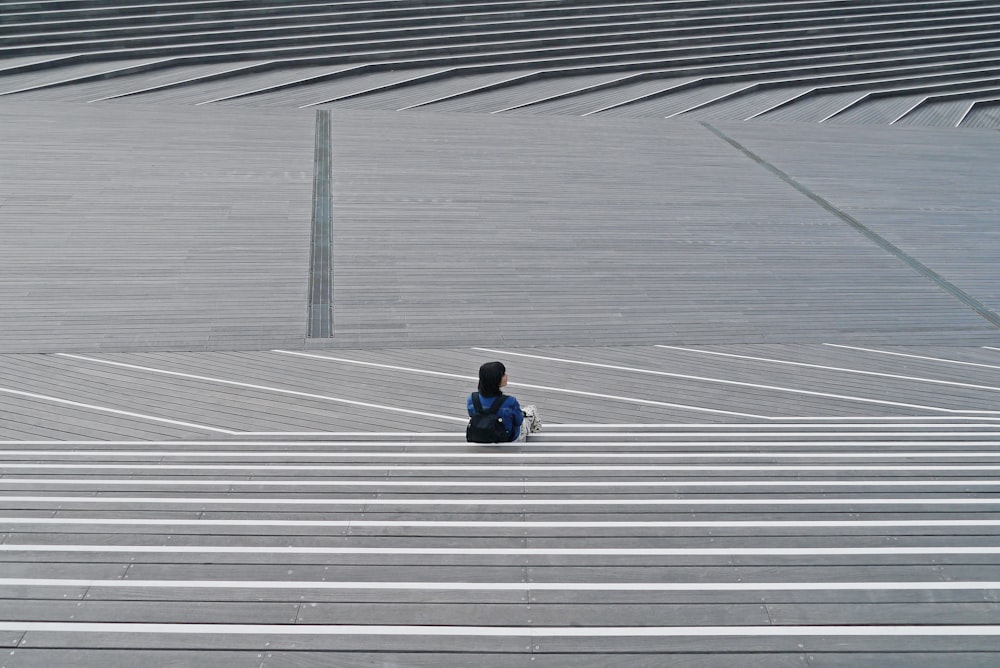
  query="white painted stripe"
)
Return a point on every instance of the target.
[
  {"x": 535, "y": 632},
  {"x": 878, "y": 374},
  {"x": 910, "y": 109},
  {"x": 985, "y": 585},
  {"x": 528, "y": 632},
  {"x": 814, "y": 432},
  {"x": 465, "y": 501},
  {"x": 279, "y": 85},
  {"x": 515, "y": 455},
  {"x": 780, "y": 103},
  {"x": 918, "y": 422},
  {"x": 172, "y": 84},
  {"x": 546, "y": 388},
  {"x": 887, "y": 418},
  {"x": 527, "y": 484},
  {"x": 568, "y": 93},
  {"x": 843, "y": 108},
  {"x": 637, "y": 98},
  {"x": 503, "y": 524},
  {"x": 890, "y": 448},
  {"x": 910, "y": 355},
  {"x": 292, "y": 434},
  {"x": 469, "y": 91},
  {"x": 113, "y": 411},
  {"x": 89, "y": 75},
  {"x": 820, "y": 428},
  {"x": 387, "y": 86},
  {"x": 4, "y": 67},
  {"x": 821, "y": 440},
  {"x": 965, "y": 114},
  {"x": 647, "y": 440},
  {"x": 393, "y": 438},
  {"x": 389, "y": 468},
  {"x": 723, "y": 381},
  {"x": 713, "y": 100},
  {"x": 264, "y": 388},
  {"x": 508, "y": 551},
  {"x": 376, "y": 365},
  {"x": 493, "y": 551}
]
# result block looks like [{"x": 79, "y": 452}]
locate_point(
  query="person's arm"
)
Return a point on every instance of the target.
[
  {"x": 516, "y": 418},
  {"x": 516, "y": 413}
]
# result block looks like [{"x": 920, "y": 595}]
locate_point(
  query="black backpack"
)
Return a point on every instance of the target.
[{"x": 486, "y": 426}]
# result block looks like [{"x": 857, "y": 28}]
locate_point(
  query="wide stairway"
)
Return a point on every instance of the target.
[
  {"x": 798, "y": 543},
  {"x": 931, "y": 63}
]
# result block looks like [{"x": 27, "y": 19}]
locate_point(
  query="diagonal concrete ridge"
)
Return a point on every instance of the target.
[{"x": 880, "y": 241}]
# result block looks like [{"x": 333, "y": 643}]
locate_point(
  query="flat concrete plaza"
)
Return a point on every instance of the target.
[{"x": 143, "y": 229}]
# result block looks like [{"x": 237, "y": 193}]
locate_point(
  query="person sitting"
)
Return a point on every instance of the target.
[{"x": 493, "y": 377}]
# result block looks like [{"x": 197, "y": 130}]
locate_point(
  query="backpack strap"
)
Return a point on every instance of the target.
[
  {"x": 494, "y": 407},
  {"x": 497, "y": 403}
]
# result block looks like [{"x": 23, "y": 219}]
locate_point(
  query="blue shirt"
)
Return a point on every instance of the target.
[{"x": 510, "y": 412}]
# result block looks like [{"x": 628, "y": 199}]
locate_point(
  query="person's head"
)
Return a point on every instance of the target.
[{"x": 492, "y": 376}]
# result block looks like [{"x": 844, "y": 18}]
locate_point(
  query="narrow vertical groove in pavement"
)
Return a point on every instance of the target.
[
  {"x": 321, "y": 265},
  {"x": 882, "y": 242}
]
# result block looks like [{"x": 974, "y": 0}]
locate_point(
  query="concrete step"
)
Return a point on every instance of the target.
[
  {"x": 312, "y": 19},
  {"x": 328, "y": 37}
]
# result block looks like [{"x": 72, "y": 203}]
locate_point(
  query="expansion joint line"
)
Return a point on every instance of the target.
[
  {"x": 321, "y": 252},
  {"x": 880, "y": 241}
]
